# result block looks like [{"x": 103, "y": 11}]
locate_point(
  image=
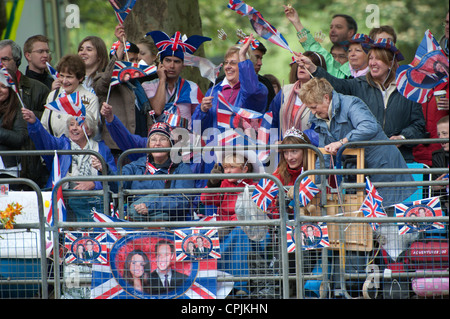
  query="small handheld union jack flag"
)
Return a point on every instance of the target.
[
  {"x": 307, "y": 191},
  {"x": 122, "y": 8},
  {"x": 265, "y": 193}
]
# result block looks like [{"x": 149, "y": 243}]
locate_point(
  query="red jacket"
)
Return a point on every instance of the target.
[
  {"x": 225, "y": 202},
  {"x": 422, "y": 152}
]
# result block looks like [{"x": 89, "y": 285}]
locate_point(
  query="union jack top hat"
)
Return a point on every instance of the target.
[
  {"x": 388, "y": 45},
  {"x": 175, "y": 46}
]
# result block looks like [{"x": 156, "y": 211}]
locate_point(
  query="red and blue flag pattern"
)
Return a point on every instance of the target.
[
  {"x": 259, "y": 24},
  {"x": 133, "y": 70},
  {"x": 122, "y": 8},
  {"x": 428, "y": 69},
  {"x": 320, "y": 232},
  {"x": 307, "y": 190},
  {"x": 265, "y": 192},
  {"x": 70, "y": 104},
  {"x": 60, "y": 209}
]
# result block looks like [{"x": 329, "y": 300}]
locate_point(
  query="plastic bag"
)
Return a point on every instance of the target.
[{"x": 247, "y": 210}]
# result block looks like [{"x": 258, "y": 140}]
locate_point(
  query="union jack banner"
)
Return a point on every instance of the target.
[
  {"x": 264, "y": 193},
  {"x": 319, "y": 232},
  {"x": 52, "y": 71},
  {"x": 6, "y": 78},
  {"x": 124, "y": 71},
  {"x": 186, "y": 243},
  {"x": 76, "y": 243},
  {"x": 60, "y": 206},
  {"x": 69, "y": 104},
  {"x": 109, "y": 281},
  {"x": 307, "y": 191},
  {"x": 259, "y": 24},
  {"x": 429, "y": 207},
  {"x": 428, "y": 69},
  {"x": 122, "y": 9}
]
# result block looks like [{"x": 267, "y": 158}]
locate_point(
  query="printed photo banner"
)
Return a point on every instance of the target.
[
  {"x": 314, "y": 236},
  {"x": 137, "y": 264},
  {"x": 429, "y": 207},
  {"x": 197, "y": 243},
  {"x": 86, "y": 248}
]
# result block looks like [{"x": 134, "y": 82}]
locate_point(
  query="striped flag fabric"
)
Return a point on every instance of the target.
[
  {"x": 52, "y": 71},
  {"x": 60, "y": 206},
  {"x": 259, "y": 24},
  {"x": 372, "y": 204},
  {"x": 122, "y": 8},
  {"x": 69, "y": 104},
  {"x": 428, "y": 69},
  {"x": 307, "y": 190},
  {"x": 6, "y": 78},
  {"x": 116, "y": 45}
]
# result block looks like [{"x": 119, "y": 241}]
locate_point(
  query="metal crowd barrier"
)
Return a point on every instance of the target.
[{"x": 317, "y": 273}]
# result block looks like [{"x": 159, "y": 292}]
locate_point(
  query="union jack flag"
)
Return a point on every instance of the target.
[
  {"x": 254, "y": 45},
  {"x": 259, "y": 24},
  {"x": 184, "y": 238},
  {"x": 116, "y": 45},
  {"x": 134, "y": 70},
  {"x": 60, "y": 206},
  {"x": 52, "y": 71},
  {"x": 320, "y": 233},
  {"x": 372, "y": 205},
  {"x": 428, "y": 69},
  {"x": 264, "y": 193},
  {"x": 69, "y": 104},
  {"x": 122, "y": 10},
  {"x": 307, "y": 191},
  {"x": 73, "y": 239},
  {"x": 6, "y": 78},
  {"x": 428, "y": 207}
]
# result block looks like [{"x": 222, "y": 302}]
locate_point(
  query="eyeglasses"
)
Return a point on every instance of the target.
[
  {"x": 41, "y": 51},
  {"x": 159, "y": 140},
  {"x": 5, "y": 59},
  {"x": 232, "y": 63}
]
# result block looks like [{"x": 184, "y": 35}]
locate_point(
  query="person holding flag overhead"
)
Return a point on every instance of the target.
[
  {"x": 240, "y": 89},
  {"x": 79, "y": 131},
  {"x": 171, "y": 94},
  {"x": 72, "y": 71}
]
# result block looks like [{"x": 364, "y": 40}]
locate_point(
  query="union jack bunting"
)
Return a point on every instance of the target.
[
  {"x": 6, "y": 78},
  {"x": 124, "y": 71},
  {"x": 307, "y": 191},
  {"x": 187, "y": 238},
  {"x": 319, "y": 236},
  {"x": 259, "y": 24},
  {"x": 122, "y": 8},
  {"x": 427, "y": 70},
  {"x": 264, "y": 193},
  {"x": 60, "y": 206},
  {"x": 76, "y": 244},
  {"x": 52, "y": 71},
  {"x": 429, "y": 207},
  {"x": 69, "y": 104}
]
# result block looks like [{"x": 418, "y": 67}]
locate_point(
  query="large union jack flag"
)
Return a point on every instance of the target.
[
  {"x": 265, "y": 192},
  {"x": 428, "y": 69},
  {"x": 259, "y": 24},
  {"x": 428, "y": 207}
]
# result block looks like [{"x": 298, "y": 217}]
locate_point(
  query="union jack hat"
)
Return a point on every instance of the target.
[
  {"x": 176, "y": 45},
  {"x": 363, "y": 39},
  {"x": 387, "y": 44},
  {"x": 163, "y": 129}
]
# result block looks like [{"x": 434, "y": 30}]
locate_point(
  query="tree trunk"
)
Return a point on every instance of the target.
[{"x": 168, "y": 16}]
